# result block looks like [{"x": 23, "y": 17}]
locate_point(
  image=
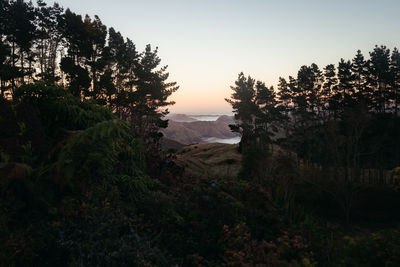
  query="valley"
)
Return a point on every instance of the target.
[{"x": 187, "y": 129}]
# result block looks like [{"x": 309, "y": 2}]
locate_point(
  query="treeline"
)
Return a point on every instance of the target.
[
  {"x": 343, "y": 118},
  {"x": 56, "y": 46}
]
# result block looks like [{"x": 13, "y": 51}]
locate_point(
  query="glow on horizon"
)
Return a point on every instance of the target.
[{"x": 207, "y": 43}]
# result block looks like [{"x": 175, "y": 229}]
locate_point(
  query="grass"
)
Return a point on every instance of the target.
[{"x": 212, "y": 159}]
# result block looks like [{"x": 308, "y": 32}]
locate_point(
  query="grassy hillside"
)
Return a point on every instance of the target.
[
  {"x": 211, "y": 159},
  {"x": 168, "y": 144}
]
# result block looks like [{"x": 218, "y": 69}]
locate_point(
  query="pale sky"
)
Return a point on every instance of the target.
[{"x": 207, "y": 43}]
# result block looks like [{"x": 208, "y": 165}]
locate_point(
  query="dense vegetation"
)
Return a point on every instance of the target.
[
  {"x": 338, "y": 133},
  {"x": 83, "y": 182},
  {"x": 345, "y": 124},
  {"x": 47, "y": 44}
]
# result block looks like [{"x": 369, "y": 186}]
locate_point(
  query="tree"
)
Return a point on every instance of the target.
[
  {"x": 346, "y": 82},
  {"x": 49, "y": 20},
  {"x": 359, "y": 69},
  {"x": 258, "y": 118},
  {"x": 79, "y": 80},
  {"x": 329, "y": 89},
  {"x": 284, "y": 95},
  {"x": 97, "y": 54},
  {"x": 145, "y": 100},
  {"x": 244, "y": 107},
  {"x": 305, "y": 96},
  {"x": 19, "y": 31},
  {"x": 379, "y": 76},
  {"x": 6, "y": 69},
  {"x": 269, "y": 117},
  {"x": 395, "y": 80}
]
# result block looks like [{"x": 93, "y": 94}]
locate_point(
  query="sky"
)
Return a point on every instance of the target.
[{"x": 207, "y": 43}]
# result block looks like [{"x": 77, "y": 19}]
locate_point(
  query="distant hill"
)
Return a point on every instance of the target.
[
  {"x": 198, "y": 131},
  {"x": 179, "y": 132},
  {"x": 226, "y": 119}
]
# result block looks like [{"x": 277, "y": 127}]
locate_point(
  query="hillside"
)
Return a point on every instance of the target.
[
  {"x": 167, "y": 144},
  {"x": 198, "y": 131},
  {"x": 211, "y": 159},
  {"x": 226, "y": 119}
]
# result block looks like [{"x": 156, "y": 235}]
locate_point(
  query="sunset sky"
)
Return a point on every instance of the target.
[{"x": 206, "y": 43}]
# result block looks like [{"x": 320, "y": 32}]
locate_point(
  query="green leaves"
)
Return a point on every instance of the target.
[
  {"x": 106, "y": 154},
  {"x": 59, "y": 110},
  {"x": 95, "y": 152}
]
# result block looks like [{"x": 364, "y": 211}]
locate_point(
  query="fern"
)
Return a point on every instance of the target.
[
  {"x": 106, "y": 153},
  {"x": 131, "y": 188},
  {"x": 60, "y": 110}
]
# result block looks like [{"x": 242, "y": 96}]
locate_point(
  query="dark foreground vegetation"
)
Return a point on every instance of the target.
[{"x": 83, "y": 181}]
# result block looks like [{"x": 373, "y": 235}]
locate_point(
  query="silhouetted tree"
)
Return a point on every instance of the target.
[
  {"x": 259, "y": 116},
  {"x": 359, "y": 70},
  {"x": 379, "y": 76},
  {"x": 244, "y": 107},
  {"x": 395, "y": 80},
  {"x": 345, "y": 86},
  {"x": 49, "y": 20},
  {"x": 284, "y": 95},
  {"x": 328, "y": 92}
]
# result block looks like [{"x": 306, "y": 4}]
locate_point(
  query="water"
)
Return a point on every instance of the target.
[{"x": 233, "y": 140}]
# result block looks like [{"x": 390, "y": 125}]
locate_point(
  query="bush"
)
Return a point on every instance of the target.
[{"x": 369, "y": 249}]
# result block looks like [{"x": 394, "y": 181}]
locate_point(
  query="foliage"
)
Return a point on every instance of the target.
[
  {"x": 106, "y": 237},
  {"x": 90, "y": 201},
  {"x": 80, "y": 164},
  {"x": 99, "y": 163},
  {"x": 59, "y": 110},
  {"x": 374, "y": 249},
  {"x": 106, "y": 152},
  {"x": 241, "y": 250},
  {"x": 343, "y": 121}
]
